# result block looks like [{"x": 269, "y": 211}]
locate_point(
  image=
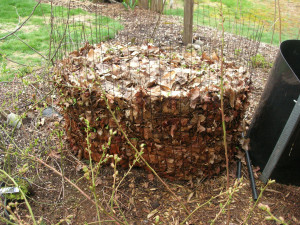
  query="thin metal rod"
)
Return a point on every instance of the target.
[
  {"x": 251, "y": 177},
  {"x": 238, "y": 169}
]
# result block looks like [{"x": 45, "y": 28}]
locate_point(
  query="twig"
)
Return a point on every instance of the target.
[
  {"x": 93, "y": 185},
  {"x": 274, "y": 23},
  {"x": 158, "y": 21},
  {"x": 51, "y": 32},
  {"x": 23, "y": 195},
  {"x": 259, "y": 197},
  {"x": 34, "y": 158},
  {"x": 28, "y": 45},
  {"x": 136, "y": 150},
  {"x": 200, "y": 206},
  {"x": 230, "y": 193},
  {"x": 64, "y": 34},
  {"x": 223, "y": 113},
  {"x": 2, "y": 146},
  {"x": 222, "y": 97},
  {"x": 18, "y": 28},
  {"x": 36, "y": 51},
  {"x": 62, "y": 190},
  {"x": 8, "y": 59},
  {"x": 18, "y": 16}
]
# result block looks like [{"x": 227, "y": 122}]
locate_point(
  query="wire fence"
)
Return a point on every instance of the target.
[
  {"x": 242, "y": 36},
  {"x": 282, "y": 27},
  {"x": 165, "y": 95}
]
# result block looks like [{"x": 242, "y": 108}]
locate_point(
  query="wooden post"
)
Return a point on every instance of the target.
[
  {"x": 160, "y": 5},
  {"x": 144, "y": 4},
  {"x": 153, "y": 5},
  {"x": 157, "y": 6},
  {"x": 188, "y": 21}
]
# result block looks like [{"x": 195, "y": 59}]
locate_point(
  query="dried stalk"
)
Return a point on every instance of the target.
[
  {"x": 34, "y": 158},
  {"x": 158, "y": 21},
  {"x": 92, "y": 171},
  {"x": 275, "y": 6},
  {"x": 51, "y": 32},
  {"x": 279, "y": 22},
  {"x": 200, "y": 206},
  {"x": 8, "y": 59},
  {"x": 222, "y": 112},
  {"x": 64, "y": 34},
  {"x": 259, "y": 197},
  {"x": 23, "y": 195},
  {"x": 222, "y": 97},
  {"x": 230, "y": 193}
]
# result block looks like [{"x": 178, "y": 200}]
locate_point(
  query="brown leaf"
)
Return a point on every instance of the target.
[
  {"x": 116, "y": 69},
  {"x": 194, "y": 95},
  {"x": 54, "y": 154},
  {"x": 107, "y": 58},
  {"x": 169, "y": 75},
  {"x": 150, "y": 177},
  {"x": 205, "y": 56},
  {"x": 232, "y": 97},
  {"x": 90, "y": 55},
  {"x": 245, "y": 143},
  {"x": 201, "y": 118},
  {"x": 200, "y": 128},
  {"x": 93, "y": 135},
  {"x": 190, "y": 196},
  {"x": 215, "y": 57},
  {"x": 151, "y": 84},
  {"x": 165, "y": 88},
  {"x": 147, "y": 133},
  {"x": 74, "y": 53},
  {"x": 152, "y": 213},
  {"x": 173, "y": 128},
  {"x": 79, "y": 166}
]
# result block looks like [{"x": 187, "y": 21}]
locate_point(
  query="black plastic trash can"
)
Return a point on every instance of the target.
[{"x": 276, "y": 104}]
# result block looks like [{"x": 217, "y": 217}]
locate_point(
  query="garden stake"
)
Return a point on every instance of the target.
[
  {"x": 238, "y": 169},
  {"x": 251, "y": 177}
]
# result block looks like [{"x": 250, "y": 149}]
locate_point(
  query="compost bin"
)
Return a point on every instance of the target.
[{"x": 277, "y": 102}]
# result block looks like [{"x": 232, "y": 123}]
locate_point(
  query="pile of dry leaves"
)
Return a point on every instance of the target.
[{"x": 167, "y": 100}]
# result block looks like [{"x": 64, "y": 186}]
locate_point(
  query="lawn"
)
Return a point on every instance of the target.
[{"x": 30, "y": 45}]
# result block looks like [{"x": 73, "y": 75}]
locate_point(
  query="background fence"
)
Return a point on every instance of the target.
[{"x": 242, "y": 37}]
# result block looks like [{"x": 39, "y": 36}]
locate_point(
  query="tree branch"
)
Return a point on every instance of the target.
[
  {"x": 18, "y": 28},
  {"x": 8, "y": 59}
]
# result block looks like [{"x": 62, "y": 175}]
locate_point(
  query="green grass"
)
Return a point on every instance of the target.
[
  {"x": 36, "y": 32},
  {"x": 242, "y": 5}
]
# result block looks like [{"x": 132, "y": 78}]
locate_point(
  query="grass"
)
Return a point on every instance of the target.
[
  {"x": 36, "y": 32},
  {"x": 241, "y": 17}
]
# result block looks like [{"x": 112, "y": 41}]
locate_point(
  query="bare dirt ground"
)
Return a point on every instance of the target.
[{"x": 141, "y": 197}]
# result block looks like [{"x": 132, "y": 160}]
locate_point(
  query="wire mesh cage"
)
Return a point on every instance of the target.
[{"x": 135, "y": 75}]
